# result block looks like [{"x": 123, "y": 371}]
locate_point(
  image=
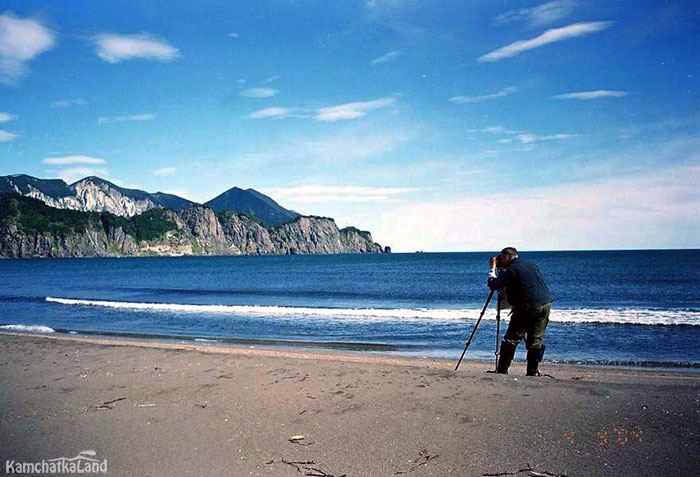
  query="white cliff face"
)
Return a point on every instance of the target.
[
  {"x": 103, "y": 198},
  {"x": 92, "y": 197}
]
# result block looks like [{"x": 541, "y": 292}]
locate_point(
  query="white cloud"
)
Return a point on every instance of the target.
[
  {"x": 385, "y": 58},
  {"x": 320, "y": 194},
  {"x": 113, "y": 47},
  {"x": 327, "y": 114},
  {"x": 585, "y": 95},
  {"x": 7, "y": 117},
  {"x": 120, "y": 119},
  {"x": 495, "y": 130},
  {"x": 77, "y": 173},
  {"x": 234, "y": 35},
  {"x": 67, "y": 103},
  {"x": 351, "y": 110},
  {"x": 652, "y": 210},
  {"x": 165, "y": 171},
  {"x": 258, "y": 93},
  {"x": 275, "y": 113},
  {"x": 272, "y": 79},
  {"x": 21, "y": 40},
  {"x": 550, "y": 36},
  {"x": 6, "y": 136},
  {"x": 479, "y": 99},
  {"x": 527, "y": 138},
  {"x": 240, "y": 81},
  {"x": 73, "y": 160},
  {"x": 540, "y": 15}
]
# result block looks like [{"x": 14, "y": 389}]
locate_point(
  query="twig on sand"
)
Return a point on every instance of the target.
[
  {"x": 306, "y": 468},
  {"x": 297, "y": 440},
  {"x": 530, "y": 472},
  {"x": 423, "y": 459},
  {"x": 109, "y": 404}
]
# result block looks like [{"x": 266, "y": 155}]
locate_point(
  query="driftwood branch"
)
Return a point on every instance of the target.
[
  {"x": 306, "y": 468},
  {"x": 529, "y": 471},
  {"x": 109, "y": 404},
  {"x": 423, "y": 459}
]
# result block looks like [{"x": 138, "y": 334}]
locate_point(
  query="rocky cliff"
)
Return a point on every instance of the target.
[
  {"x": 91, "y": 194},
  {"x": 29, "y": 228}
]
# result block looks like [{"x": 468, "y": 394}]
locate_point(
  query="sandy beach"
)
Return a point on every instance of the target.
[{"x": 181, "y": 409}]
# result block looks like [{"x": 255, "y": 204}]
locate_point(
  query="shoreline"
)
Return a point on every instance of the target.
[
  {"x": 339, "y": 354},
  {"x": 156, "y": 408}
]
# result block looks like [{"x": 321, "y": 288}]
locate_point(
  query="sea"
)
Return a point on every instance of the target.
[{"x": 611, "y": 308}]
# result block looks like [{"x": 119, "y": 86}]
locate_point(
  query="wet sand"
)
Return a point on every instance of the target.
[{"x": 181, "y": 409}]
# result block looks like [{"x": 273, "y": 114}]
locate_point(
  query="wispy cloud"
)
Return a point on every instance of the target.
[
  {"x": 352, "y": 110},
  {"x": 77, "y": 173},
  {"x": 586, "y": 95},
  {"x": 272, "y": 79},
  {"x": 495, "y": 130},
  {"x": 233, "y": 34},
  {"x": 326, "y": 114},
  {"x": 385, "y": 58},
  {"x": 6, "y": 136},
  {"x": 528, "y": 138},
  {"x": 275, "y": 113},
  {"x": 479, "y": 99},
  {"x": 73, "y": 160},
  {"x": 258, "y": 93},
  {"x": 550, "y": 36},
  {"x": 120, "y": 119},
  {"x": 21, "y": 40},
  {"x": 165, "y": 171},
  {"x": 113, "y": 47},
  {"x": 540, "y": 15},
  {"x": 7, "y": 117},
  {"x": 67, "y": 103},
  {"x": 320, "y": 194}
]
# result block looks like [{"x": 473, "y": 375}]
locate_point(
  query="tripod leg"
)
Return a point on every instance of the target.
[
  {"x": 498, "y": 335},
  {"x": 469, "y": 341}
]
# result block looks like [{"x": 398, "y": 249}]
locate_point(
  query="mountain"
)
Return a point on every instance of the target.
[
  {"x": 91, "y": 194},
  {"x": 253, "y": 203},
  {"x": 30, "y": 228}
]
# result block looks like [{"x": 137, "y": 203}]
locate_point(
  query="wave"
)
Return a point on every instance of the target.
[
  {"x": 572, "y": 315},
  {"x": 29, "y": 328}
]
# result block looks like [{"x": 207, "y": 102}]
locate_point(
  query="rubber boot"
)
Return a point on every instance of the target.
[
  {"x": 534, "y": 356},
  {"x": 506, "y": 357}
]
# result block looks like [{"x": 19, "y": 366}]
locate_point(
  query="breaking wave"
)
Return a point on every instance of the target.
[
  {"x": 572, "y": 315},
  {"x": 29, "y": 328}
]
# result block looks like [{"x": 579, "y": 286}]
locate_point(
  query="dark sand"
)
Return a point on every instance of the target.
[{"x": 202, "y": 410}]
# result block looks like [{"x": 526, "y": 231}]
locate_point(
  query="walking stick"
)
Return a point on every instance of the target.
[{"x": 469, "y": 341}]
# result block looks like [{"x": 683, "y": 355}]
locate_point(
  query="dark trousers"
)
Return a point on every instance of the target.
[{"x": 529, "y": 323}]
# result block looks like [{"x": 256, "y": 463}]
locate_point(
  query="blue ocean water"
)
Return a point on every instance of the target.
[{"x": 635, "y": 308}]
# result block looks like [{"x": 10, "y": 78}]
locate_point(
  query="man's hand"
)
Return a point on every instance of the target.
[{"x": 494, "y": 262}]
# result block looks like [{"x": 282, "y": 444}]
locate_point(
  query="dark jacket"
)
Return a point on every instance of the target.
[{"x": 525, "y": 287}]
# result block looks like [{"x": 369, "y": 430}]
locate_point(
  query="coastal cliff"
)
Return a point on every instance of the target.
[{"x": 30, "y": 228}]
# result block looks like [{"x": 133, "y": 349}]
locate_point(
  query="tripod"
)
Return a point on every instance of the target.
[{"x": 498, "y": 328}]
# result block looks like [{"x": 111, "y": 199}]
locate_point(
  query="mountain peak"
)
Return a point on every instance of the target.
[{"x": 253, "y": 203}]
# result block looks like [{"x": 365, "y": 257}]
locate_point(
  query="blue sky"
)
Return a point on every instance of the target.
[{"x": 437, "y": 125}]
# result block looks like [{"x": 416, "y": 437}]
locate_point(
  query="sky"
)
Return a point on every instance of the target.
[{"x": 436, "y": 125}]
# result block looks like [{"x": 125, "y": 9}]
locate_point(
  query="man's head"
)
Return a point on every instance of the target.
[{"x": 506, "y": 256}]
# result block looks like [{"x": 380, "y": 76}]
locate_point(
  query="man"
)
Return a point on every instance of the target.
[{"x": 531, "y": 301}]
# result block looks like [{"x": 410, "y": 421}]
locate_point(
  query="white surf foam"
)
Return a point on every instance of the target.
[
  {"x": 30, "y": 328},
  {"x": 580, "y": 315}
]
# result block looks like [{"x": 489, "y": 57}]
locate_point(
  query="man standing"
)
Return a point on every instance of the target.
[{"x": 531, "y": 301}]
